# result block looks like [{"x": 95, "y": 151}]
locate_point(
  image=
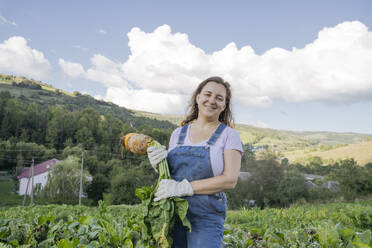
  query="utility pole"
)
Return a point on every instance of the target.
[
  {"x": 32, "y": 182},
  {"x": 81, "y": 177},
  {"x": 28, "y": 182}
]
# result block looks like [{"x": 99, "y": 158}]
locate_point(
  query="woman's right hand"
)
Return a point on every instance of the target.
[{"x": 156, "y": 155}]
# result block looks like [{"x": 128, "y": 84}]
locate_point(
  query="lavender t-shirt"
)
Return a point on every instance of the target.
[{"x": 228, "y": 140}]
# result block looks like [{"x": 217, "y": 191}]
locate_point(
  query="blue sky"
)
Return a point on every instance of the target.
[{"x": 293, "y": 65}]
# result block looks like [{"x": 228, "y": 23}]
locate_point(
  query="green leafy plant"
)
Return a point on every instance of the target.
[{"x": 159, "y": 216}]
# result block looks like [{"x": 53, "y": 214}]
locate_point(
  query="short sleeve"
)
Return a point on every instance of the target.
[
  {"x": 174, "y": 138},
  {"x": 233, "y": 141}
]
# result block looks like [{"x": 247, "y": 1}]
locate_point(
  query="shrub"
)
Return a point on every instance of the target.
[{"x": 292, "y": 187}]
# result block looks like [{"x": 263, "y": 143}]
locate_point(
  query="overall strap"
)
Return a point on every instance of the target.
[
  {"x": 181, "y": 137},
  {"x": 216, "y": 134}
]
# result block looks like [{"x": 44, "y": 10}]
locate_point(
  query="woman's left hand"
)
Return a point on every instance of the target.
[{"x": 171, "y": 188}]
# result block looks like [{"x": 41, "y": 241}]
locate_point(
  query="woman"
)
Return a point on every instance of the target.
[{"x": 204, "y": 160}]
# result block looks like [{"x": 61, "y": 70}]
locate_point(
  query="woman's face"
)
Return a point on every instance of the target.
[{"x": 211, "y": 100}]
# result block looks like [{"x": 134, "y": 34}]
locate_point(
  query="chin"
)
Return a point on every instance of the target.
[{"x": 209, "y": 115}]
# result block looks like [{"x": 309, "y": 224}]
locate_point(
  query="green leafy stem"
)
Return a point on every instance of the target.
[{"x": 159, "y": 217}]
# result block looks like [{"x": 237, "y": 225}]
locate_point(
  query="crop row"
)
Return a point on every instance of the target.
[{"x": 327, "y": 225}]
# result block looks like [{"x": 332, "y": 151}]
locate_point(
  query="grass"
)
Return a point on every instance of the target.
[
  {"x": 10, "y": 198},
  {"x": 8, "y": 195},
  {"x": 26, "y": 91}
]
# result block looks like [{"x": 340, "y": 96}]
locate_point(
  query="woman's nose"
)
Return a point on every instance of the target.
[{"x": 212, "y": 100}]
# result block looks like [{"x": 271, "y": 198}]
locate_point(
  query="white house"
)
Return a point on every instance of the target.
[{"x": 40, "y": 176}]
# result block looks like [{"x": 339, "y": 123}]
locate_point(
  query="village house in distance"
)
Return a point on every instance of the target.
[{"x": 41, "y": 172}]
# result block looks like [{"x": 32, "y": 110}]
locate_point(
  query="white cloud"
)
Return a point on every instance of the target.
[
  {"x": 146, "y": 100},
  {"x": 164, "y": 62},
  {"x": 17, "y": 57},
  {"x": 165, "y": 68},
  {"x": 106, "y": 71},
  {"x": 102, "y": 31},
  {"x": 3, "y": 20},
  {"x": 120, "y": 91},
  {"x": 70, "y": 68}
]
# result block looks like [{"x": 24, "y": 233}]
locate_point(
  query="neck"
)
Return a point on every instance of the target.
[{"x": 205, "y": 123}]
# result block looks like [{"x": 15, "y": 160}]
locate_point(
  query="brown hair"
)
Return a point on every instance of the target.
[{"x": 193, "y": 110}]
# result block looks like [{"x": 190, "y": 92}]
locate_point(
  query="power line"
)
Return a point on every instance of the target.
[{"x": 88, "y": 150}]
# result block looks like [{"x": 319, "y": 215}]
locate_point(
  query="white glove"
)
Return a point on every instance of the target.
[
  {"x": 170, "y": 188},
  {"x": 156, "y": 155}
]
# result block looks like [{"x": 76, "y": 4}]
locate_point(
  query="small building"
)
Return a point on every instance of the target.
[
  {"x": 332, "y": 186},
  {"x": 310, "y": 185},
  {"x": 255, "y": 148},
  {"x": 311, "y": 177},
  {"x": 244, "y": 175},
  {"x": 41, "y": 172}
]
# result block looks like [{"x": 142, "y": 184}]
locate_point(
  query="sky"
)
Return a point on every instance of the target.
[{"x": 292, "y": 65}]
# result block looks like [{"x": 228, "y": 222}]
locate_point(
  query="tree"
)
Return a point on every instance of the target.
[
  {"x": 292, "y": 187},
  {"x": 267, "y": 155},
  {"x": 64, "y": 181},
  {"x": 99, "y": 185},
  {"x": 248, "y": 157},
  {"x": 89, "y": 118},
  {"x": 85, "y": 137},
  {"x": 72, "y": 151},
  {"x": 354, "y": 180},
  {"x": 61, "y": 125},
  {"x": 125, "y": 181},
  {"x": 36, "y": 122},
  {"x": 14, "y": 116},
  {"x": 264, "y": 182},
  {"x": 4, "y": 96}
]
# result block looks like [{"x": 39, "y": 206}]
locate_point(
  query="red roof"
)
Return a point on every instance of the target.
[{"x": 39, "y": 168}]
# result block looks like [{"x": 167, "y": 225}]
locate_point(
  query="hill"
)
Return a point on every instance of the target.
[
  {"x": 361, "y": 152},
  {"x": 298, "y": 146},
  {"x": 29, "y": 90},
  {"x": 291, "y": 144},
  {"x": 279, "y": 139}
]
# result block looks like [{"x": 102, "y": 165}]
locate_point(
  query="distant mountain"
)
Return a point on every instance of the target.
[
  {"x": 298, "y": 145},
  {"x": 278, "y": 138},
  {"x": 361, "y": 152}
]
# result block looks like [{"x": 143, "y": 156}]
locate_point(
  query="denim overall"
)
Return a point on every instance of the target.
[{"x": 206, "y": 212}]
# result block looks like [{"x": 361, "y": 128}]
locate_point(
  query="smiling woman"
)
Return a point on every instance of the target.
[
  {"x": 204, "y": 158},
  {"x": 207, "y": 87}
]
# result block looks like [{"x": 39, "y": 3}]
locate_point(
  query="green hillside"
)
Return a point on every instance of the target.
[
  {"x": 29, "y": 90},
  {"x": 280, "y": 139},
  {"x": 298, "y": 146},
  {"x": 292, "y": 144}
]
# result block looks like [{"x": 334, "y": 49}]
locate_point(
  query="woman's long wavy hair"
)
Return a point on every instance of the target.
[{"x": 193, "y": 110}]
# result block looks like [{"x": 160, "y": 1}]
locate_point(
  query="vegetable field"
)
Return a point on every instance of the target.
[{"x": 325, "y": 225}]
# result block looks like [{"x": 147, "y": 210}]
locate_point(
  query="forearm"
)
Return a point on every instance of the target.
[
  {"x": 214, "y": 184},
  {"x": 227, "y": 180}
]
